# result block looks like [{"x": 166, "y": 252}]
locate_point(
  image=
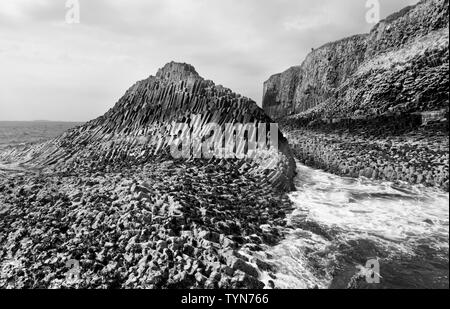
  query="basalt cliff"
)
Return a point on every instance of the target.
[
  {"x": 106, "y": 205},
  {"x": 373, "y": 105}
]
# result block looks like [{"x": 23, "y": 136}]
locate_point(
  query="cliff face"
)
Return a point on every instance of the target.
[
  {"x": 279, "y": 92},
  {"x": 401, "y": 65},
  {"x": 140, "y": 127},
  {"x": 373, "y": 105}
]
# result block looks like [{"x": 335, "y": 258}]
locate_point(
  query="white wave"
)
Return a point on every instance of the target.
[
  {"x": 379, "y": 210},
  {"x": 395, "y": 217}
]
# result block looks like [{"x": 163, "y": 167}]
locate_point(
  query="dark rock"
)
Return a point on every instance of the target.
[
  {"x": 243, "y": 280},
  {"x": 239, "y": 264}
]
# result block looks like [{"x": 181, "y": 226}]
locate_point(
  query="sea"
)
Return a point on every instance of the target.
[{"x": 16, "y": 133}]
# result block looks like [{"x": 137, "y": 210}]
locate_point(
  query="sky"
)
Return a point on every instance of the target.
[{"x": 52, "y": 69}]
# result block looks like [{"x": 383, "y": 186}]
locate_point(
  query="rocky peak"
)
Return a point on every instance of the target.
[{"x": 176, "y": 71}]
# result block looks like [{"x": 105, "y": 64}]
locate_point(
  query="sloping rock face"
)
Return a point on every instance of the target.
[
  {"x": 325, "y": 69},
  {"x": 141, "y": 127},
  {"x": 401, "y": 66},
  {"x": 373, "y": 105},
  {"x": 106, "y": 205}
]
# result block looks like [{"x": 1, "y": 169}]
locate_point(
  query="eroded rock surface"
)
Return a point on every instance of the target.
[
  {"x": 400, "y": 66},
  {"x": 109, "y": 196},
  {"x": 373, "y": 105}
]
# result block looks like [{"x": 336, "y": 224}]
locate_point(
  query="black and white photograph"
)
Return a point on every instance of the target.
[{"x": 224, "y": 150}]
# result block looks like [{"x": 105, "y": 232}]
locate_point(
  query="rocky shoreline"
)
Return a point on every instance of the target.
[
  {"x": 417, "y": 157},
  {"x": 109, "y": 198},
  {"x": 165, "y": 225},
  {"x": 373, "y": 105}
]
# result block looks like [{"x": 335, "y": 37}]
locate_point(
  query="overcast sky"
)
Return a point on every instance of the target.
[{"x": 75, "y": 72}]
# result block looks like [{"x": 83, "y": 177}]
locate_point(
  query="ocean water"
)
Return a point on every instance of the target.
[
  {"x": 14, "y": 133},
  {"x": 340, "y": 223}
]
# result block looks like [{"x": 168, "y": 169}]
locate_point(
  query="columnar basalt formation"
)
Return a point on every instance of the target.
[
  {"x": 367, "y": 89},
  {"x": 140, "y": 126},
  {"x": 109, "y": 196},
  {"x": 400, "y": 66},
  {"x": 300, "y": 88}
]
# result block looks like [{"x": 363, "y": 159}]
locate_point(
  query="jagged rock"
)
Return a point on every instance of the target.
[
  {"x": 365, "y": 74},
  {"x": 264, "y": 265},
  {"x": 115, "y": 200},
  {"x": 239, "y": 264},
  {"x": 348, "y": 98},
  {"x": 242, "y": 279}
]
